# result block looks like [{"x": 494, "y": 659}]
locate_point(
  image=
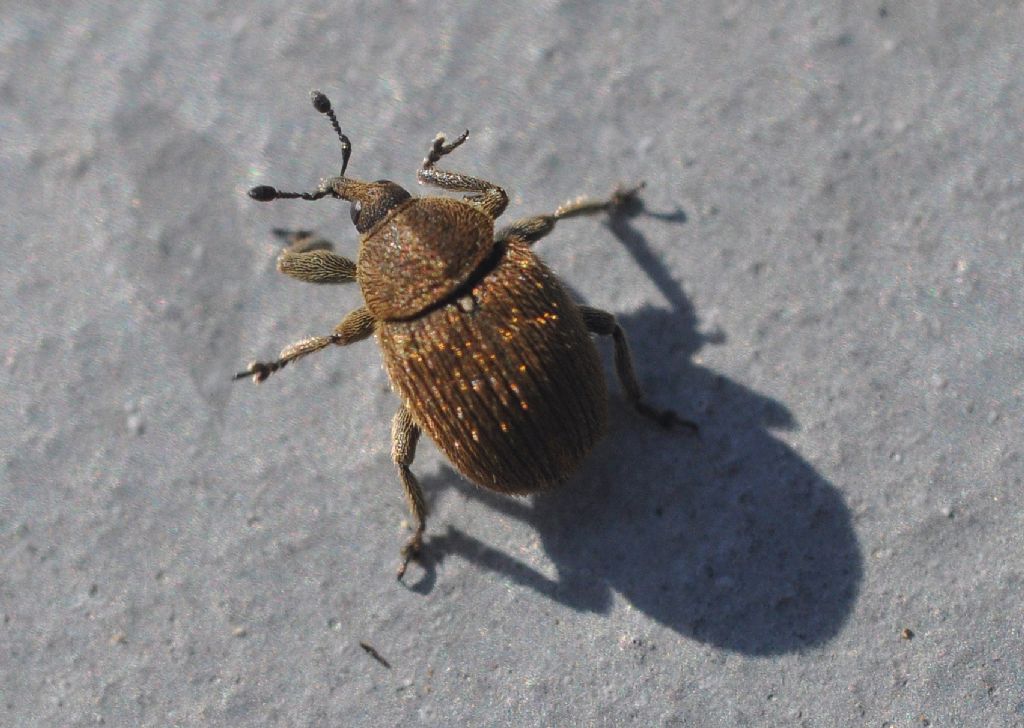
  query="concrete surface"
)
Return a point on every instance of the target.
[{"x": 827, "y": 277}]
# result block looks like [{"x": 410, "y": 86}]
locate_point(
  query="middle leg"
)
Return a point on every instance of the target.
[
  {"x": 358, "y": 325},
  {"x": 532, "y": 229}
]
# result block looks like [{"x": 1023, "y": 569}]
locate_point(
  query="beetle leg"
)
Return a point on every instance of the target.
[
  {"x": 316, "y": 266},
  {"x": 604, "y": 324},
  {"x": 357, "y": 326},
  {"x": 486, "y": 195},
  {"x": 532, "y": 229},
  {"x": 404, "y": 435},
  {"x": 528, "y": 229},
  {"x": 307, "y": 257},
  {"x": 619, "y": 198},
  {"x": 299, "y": 241}
]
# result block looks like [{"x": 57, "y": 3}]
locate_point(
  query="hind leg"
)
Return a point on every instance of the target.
[
  {"x": 404, "y": 435},
  {"x": 604, "y": 324}
]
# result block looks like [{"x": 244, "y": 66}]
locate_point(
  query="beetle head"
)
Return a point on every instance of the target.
[{"x": 371, "y": 201}]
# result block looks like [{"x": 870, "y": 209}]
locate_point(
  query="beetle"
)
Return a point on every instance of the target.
[{"x": 485, "y": 348}]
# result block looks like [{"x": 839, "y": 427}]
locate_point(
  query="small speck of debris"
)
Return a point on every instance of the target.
[
  {"x": 334, "y": 624},
  {"x": 118, "y": 638},
  {"x": 240, "y": 632},
  {"x": 374, "y": 654},
  {"x": 907, "y": 633},
  {"x": 133, "y": 419},
  {"x": 135, "y": 424}
]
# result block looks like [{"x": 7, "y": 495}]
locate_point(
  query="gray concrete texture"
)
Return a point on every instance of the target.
[{"x": 827, "y": 277}]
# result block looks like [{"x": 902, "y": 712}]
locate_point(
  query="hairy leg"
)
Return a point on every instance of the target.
[
  {"x": 486, "y": 195},
  {"x": 604, "y": 324},
  {"x": 357, "y": 326},
  {"x": 532, "y": 229},
  {"x": 404, "y": 435}
]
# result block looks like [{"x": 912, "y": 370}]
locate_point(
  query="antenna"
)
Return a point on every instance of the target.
[
  {"x": 266, "y": 193},
  {"x": 323, "y": 104}
]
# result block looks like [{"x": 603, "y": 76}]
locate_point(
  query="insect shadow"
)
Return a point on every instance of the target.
[{"x": 730, "y": 538}]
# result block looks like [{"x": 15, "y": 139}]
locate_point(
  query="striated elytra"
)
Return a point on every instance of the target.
[{"x": 488, "y": 353}]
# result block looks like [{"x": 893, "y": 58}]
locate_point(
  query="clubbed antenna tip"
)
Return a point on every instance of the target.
[
  {"x": 263, "y": 193},
  {"x": 266, "y": 193},
  {"x": 320, "y": 101},
  {"x": 323, "y": 104}
]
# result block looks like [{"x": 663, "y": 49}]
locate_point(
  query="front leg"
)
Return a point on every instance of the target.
[
  {"x": 357, "y": 326},
  {"x": 299, "y": 241},
  {"x": 309, "y": 258},
  {"x": 316, "y": 266},
  {"x": 486, "y": 195}
]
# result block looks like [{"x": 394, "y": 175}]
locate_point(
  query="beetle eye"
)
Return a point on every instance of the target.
[{"x": 373, "y": 202}]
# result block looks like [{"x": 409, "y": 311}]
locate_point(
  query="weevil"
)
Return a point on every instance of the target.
[{"x": 486, "y": 350}]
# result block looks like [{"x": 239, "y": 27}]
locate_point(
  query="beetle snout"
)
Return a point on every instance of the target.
[{"x": 371, "y": 201}]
